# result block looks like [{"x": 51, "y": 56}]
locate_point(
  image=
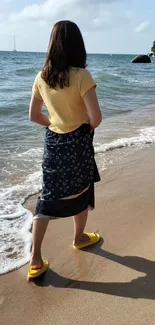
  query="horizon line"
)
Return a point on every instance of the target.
[{"x": 89, "y": 53}]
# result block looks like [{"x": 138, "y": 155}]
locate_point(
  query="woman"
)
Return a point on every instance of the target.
[{"x": 69, "y": 170}]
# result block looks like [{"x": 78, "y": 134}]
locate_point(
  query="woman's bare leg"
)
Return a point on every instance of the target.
[
  {"x": 38, "y": 233},
  {"x": 79, "y": 226}
]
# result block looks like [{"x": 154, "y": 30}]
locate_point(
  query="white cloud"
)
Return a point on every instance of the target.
[
  {"x": 142, "y": 27},
  {"x": 48, "y": 10},
  {"x": 103, "y": 19},
  {"x": 52, "y": 10},
  {"x": 90, "y": 15},
  {"x": 1, "y": 17}
]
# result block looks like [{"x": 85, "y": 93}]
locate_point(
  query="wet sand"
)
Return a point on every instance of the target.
[{"x": 111, "y": 283}]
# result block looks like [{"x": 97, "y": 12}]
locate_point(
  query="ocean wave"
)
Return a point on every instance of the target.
[
  {"x": 123, "y": 78},
  {"x": 111, "y": 111},
  {"x": 25, "y": 72},
  {"x": 146, "y": 136},
  {"x": 15, "y": 223}
]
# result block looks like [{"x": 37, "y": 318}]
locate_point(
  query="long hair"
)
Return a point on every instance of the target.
[{"x": 66, "y": 49}]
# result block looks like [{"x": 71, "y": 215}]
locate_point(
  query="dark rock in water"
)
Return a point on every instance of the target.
[{"x": 141, "y": 59}]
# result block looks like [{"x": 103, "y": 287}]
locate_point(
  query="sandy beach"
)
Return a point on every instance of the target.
[{"x": 111, "y": 283}]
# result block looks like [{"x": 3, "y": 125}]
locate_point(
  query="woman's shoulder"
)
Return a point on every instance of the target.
[
  {"x": 80, "y": 72},
  {"x": 38, "y": 79},
  {"x": 38, "y": 76}
]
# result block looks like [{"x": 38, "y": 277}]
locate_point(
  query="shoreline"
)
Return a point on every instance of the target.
[{"x": 116, "y": 276}]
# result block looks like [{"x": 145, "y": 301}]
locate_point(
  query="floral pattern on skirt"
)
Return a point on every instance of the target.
[{"x": 68, "y": 169}]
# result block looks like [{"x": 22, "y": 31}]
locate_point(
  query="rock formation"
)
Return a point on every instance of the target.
[
  {"x": 153, "y": 48},
  {"x": 152, "y": 53},
  {"x": 141, "y": 59}
]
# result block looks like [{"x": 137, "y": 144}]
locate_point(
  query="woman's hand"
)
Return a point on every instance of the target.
[{"x": 35, "y": 114}]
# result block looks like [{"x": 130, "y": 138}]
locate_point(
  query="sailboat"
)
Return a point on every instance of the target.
[{"x": 14, "y": 49}]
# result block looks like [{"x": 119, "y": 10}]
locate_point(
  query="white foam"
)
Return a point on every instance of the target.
[
  {"x": 15, "y": 224},
  {"x": 15, "y": 242},
  {"x": 12, "y": 197},
  {"x": 133, "y": 79},
  {"x": 146, "y": 136},
  {"x": 30, "y": 153}
]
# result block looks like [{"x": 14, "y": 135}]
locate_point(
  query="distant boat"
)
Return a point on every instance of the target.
[{"x": 14, "y": 48}]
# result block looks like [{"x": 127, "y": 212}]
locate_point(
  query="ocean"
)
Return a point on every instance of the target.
[{"x": 127, "y": 97}]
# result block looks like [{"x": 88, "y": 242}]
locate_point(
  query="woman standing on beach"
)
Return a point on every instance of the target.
[{"x": 69, "y": 169}]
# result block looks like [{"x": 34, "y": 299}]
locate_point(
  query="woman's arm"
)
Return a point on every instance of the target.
[
  {"x": 92, "y": 107},
  {"x": 35, "y": 114}
]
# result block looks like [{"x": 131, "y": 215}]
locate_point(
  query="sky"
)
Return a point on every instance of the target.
[{"x": 108, "y": 26}]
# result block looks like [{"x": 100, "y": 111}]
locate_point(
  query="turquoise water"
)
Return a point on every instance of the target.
[{"x": 126, "y": 96}]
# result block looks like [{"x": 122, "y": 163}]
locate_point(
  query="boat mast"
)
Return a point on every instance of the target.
[{"x": 14, "y": 44}]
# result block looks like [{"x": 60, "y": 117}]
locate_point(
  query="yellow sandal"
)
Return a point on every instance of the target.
[
  {"x": 35, "y": 271},
  {"x": 94, "y": 239}
]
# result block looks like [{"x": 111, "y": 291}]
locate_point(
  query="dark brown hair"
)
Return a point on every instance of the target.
[{"x": 66, "y": 49}]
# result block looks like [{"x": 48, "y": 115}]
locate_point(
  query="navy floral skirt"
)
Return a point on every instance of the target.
[{"x": 69, "y": 169}]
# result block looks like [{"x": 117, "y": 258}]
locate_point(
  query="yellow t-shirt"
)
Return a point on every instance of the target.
[{"x": 66, "y": 107}]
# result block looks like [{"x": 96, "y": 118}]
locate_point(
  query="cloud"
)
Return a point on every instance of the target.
[
  {"x": 144, "y": 26},
  {"x": 32, "y": 23},
  {"x": 63, "y": 9},
  {"x": 90, "y": 15},
  {"x": 102, "y": 19},
  {"x": 48, "y": 10}
]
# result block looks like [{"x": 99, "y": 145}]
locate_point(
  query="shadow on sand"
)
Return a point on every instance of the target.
[{"x": 142, "y": 287}]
